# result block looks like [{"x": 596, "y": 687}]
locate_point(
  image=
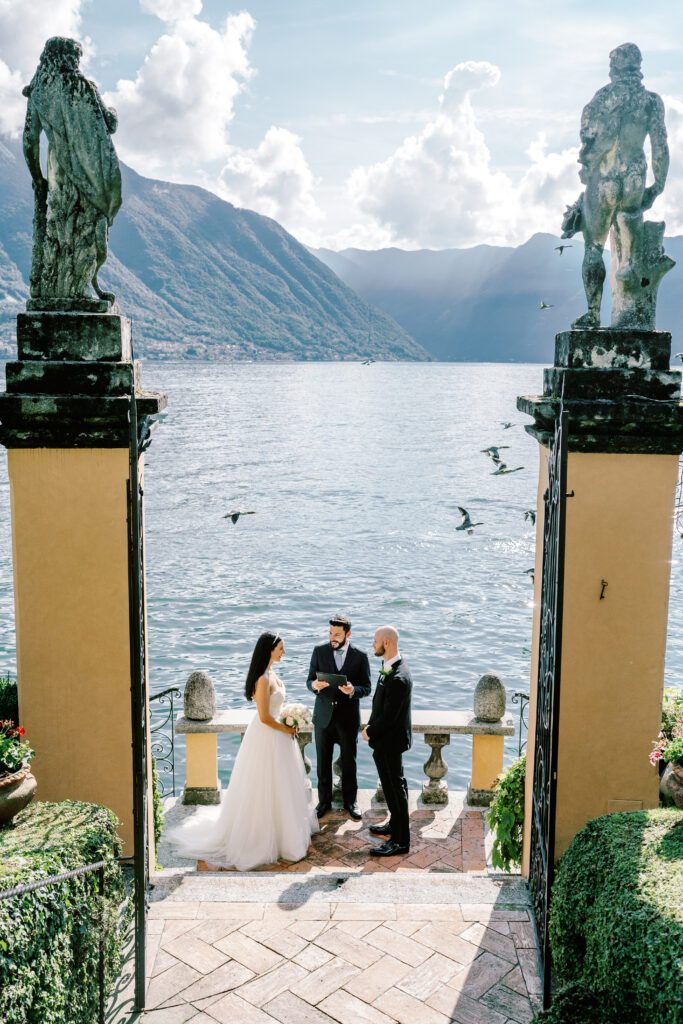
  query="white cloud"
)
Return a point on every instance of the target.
[
  {"x": 669, "y": 206},
  {"x": 176, "y": 112},
  {"x": 550, "y": 183},
  {"x": 274, "y": 179},
  {"x": 438, "y": 188},
  {"x": 172, "y": 10},
  {"x": 24, "y": 27}
]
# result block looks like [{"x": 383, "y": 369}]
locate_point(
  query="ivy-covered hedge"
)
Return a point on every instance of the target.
[
  {"x": 616, "y": 926},
  {"x": 49, "y": 938}
]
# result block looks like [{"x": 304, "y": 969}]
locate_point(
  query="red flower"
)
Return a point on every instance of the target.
[{"x": 19, "y": 731}]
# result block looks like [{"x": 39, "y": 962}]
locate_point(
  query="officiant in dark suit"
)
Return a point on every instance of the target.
[
  {"x": 389, "y": 733},
  {"x": 336, "y": 713}
]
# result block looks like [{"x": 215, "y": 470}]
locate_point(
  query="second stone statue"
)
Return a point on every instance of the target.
[{"x": 614, "y": 127}]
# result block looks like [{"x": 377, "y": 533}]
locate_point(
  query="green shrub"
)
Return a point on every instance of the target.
[
  {"x": 49, "y": 938},
  {"x": 506, "y": 816},
  {"x": 672, "y": 710},
  {"x": 9, "y": 702},
  {"x": 616, "y": 923},
  {"x": 158, "y": 805}
]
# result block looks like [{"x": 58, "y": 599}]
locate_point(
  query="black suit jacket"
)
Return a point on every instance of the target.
[
  {"x": 390, "y": 726},
  {"x": 356, "y": 668}
]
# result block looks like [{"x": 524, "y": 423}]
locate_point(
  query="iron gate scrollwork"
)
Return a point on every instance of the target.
[
  {"x": 542, "y": 848},
  {"x": 138, "y": 676}
]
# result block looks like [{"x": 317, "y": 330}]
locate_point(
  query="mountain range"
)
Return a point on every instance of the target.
[
  {"x": 483, "y": 304},
  {"x": 203, "y": 279}
]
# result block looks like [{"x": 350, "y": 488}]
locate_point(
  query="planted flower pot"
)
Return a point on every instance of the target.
[
  {"x": 16, "y": 791},
  {"x": 672, "y": 783}
]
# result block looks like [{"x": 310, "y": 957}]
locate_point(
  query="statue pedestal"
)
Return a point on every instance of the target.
[
  {"x": 625, "y": 433},
  {"x": 65, "y": 420}
]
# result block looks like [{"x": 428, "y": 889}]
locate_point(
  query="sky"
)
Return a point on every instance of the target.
[{"x": 368, "y": 123}]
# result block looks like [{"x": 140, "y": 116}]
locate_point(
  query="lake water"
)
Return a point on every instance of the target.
[{"x": 354, "y": 473}]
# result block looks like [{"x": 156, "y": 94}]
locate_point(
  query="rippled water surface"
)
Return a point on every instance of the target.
[{"x": 354, "y": 473}]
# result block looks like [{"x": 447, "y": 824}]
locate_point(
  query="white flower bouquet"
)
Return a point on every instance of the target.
[{"x": 296, "y": 715}]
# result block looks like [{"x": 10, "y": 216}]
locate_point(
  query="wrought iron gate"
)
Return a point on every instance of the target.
[
  {"x": 542, "y": 850},
  {"x": 136, "y": 578}
]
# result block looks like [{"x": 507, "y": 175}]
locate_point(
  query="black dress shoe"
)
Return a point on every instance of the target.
[
  {"x": 323, "y": 809},
  {"x": 381, "y": 830},
  {"x": 353, "y": 811},
  {"x": 389, "y": 849}
]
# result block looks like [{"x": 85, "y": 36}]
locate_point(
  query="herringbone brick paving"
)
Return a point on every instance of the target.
[
  {"x": 389, "y": 963},
  {"x": 443, "y": 839}
]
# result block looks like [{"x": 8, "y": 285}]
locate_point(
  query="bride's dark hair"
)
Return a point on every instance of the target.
[{"x": 265, "y": 645}]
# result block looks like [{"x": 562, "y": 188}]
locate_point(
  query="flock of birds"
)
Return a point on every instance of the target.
[{"x": 493, "y": 453}]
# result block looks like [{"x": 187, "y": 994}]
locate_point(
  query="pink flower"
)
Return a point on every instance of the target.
[{"x": 655, "y": 756}]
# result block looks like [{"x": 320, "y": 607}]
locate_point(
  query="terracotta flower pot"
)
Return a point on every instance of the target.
[
  {"x": 16, "y": 791},
  {"x": 672, "y": 783}
]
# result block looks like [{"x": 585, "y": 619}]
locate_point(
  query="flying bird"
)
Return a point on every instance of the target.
[
  {"x": 503, "y": 469},
  {"x": 466, "y": 523},
  {"x": 531, "y": 573},
  {"x": 545, "y": 305},
  {"x": 561, "y": 248},
  {"x": 235, "y": 515},
  {"x": 679, "y": 355},
  {"x": 368, "y": 362},
  {"x": 530, "y": 514},
  {"x": 493, "y": 450},
  {"x": 506, "y": 424}
]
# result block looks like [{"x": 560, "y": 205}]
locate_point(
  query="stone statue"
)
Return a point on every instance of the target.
[
  {"x": 614, "y": 126},
  {"x": 77, "y": 202}
]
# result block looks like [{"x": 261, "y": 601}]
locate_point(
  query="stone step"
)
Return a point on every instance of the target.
[{"x": 341, "y": 887}]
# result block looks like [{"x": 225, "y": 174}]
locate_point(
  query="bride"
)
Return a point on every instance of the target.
[{"x": 265, "y": 813}]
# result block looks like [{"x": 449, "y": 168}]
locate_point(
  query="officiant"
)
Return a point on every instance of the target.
[{"x": 336, "y": 713}]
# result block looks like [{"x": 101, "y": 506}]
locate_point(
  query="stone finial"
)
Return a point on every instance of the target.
[
  {"x": 489, "y": 699},
  {"x": 200, "y": 697}
]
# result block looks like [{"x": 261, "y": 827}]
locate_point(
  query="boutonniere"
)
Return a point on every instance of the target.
[{"x": 384, "y": 672}]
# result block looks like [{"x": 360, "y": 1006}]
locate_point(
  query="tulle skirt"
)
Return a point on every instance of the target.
[{"x": 266, "y": 813}]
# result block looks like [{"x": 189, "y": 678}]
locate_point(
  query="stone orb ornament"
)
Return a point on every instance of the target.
[
  {"x": 200, "y": 697},
  {"x": 489, "y": 699}
]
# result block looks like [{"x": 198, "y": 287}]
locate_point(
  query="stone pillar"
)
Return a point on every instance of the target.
[
  {"x": 201, "y": 769},
  {"x": 625, "y": 436},
  {"x": 64, "y": 420}
]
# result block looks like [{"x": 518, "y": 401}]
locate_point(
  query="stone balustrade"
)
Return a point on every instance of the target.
[{"x": 202, "y": 785}]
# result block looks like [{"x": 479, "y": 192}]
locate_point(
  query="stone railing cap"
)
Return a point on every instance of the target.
[{"x": 425, "y": 722}]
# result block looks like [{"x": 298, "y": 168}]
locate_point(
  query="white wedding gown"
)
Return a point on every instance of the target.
[{"x": 265, "y": 814}]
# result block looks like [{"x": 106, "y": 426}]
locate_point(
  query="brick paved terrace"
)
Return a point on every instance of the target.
[
  {"x": 393, "y": 948},
  {"x": 448, "y": 838}
]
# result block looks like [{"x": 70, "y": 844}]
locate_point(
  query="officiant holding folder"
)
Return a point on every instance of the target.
[{"x": 336, "y": 713}]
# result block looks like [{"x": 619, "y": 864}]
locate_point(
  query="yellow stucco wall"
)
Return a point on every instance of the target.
[
  {"x": 71, "y": 598},
  {"x": 618, "y": 529}
]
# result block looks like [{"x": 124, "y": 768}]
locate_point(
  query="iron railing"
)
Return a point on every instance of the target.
[
  {"x": 163, "y": 738},
  {"x": 521, "y": 697},
  {"x": 99, "y": 867}
]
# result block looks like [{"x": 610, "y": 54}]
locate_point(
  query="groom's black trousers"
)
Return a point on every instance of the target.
[
  {"x": 389, "y": 764},
  {"x": 325, "y": 739}
]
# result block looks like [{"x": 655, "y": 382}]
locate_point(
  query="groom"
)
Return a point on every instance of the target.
[
  {"x": 336, "y": 714},
  {"x": 389, "y": 733}
]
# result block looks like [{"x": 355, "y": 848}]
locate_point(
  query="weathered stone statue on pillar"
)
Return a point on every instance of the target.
[
  {"x": 67, "y": 419},
  {"x": 614, "y": 127},
  {"x": 77, "y": 202},
  {"x": 623, "y": 434}
]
